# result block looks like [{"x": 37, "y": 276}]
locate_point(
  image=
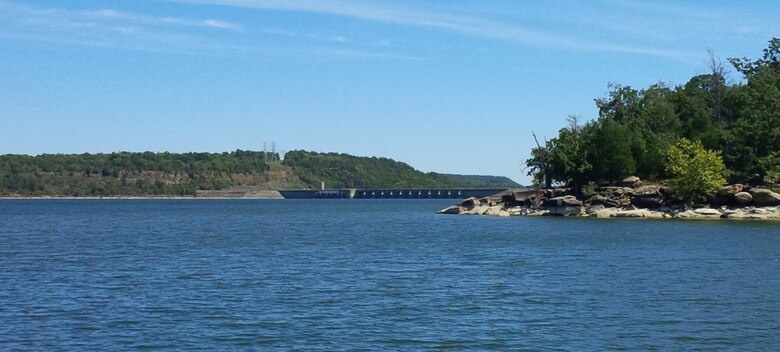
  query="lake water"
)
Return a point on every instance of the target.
[{"x": 376, "y": 275}]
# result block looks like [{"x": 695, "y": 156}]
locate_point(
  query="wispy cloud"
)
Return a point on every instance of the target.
[
  {"x": 324, "y": 38},
  {"x": 105, "y": 17},
  {"x": 676, "y": 21},
  {"x": 222, "y": 25},
  {"x": 115, "y": 29},
  {"x": 109, "y": 28},
  {"x": 461, "y": 24}
]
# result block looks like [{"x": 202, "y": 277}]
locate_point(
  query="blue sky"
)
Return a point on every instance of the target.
[{"x": 446, "y": 86}]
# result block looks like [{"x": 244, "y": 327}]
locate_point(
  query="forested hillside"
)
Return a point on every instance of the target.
[
  {"x": 635, "y": 128},
  {"x": 148, "y": 173},
  {"x": 126, "y": 173},
  {"x": 479, "y": 181},
  {"x": 347, "y": 171}
]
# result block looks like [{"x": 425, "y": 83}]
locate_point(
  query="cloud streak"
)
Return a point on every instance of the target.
[
  {"x": 105, "y": 17},
  {"x": 464, "y": 25},
  {"x": 115, "y": 29},
  {"x": 108, "y": 28}
]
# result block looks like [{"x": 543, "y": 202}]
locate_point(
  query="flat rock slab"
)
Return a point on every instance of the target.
[
  {"x": 636, "y": 213},
  {"x": 453, "y": 209},
  {"x": 703, "y": 213},
  {"x": 707, "y": 212}
]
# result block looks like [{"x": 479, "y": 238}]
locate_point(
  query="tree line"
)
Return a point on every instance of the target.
[
  {"x": 636, "y": 129},
  {"x": 348, "y": 171},
  {"x": 167, "y": 174},
  {"x": 125, "y": 173}
]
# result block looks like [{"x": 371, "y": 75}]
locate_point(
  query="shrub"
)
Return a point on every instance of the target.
[{"x": 696, "y": 172}]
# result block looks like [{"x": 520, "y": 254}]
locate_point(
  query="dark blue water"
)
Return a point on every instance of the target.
[{"x": 376, "y": 275}]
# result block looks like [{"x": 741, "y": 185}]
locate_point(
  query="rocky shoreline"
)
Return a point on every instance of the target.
[{"x": 630, "y": 199}]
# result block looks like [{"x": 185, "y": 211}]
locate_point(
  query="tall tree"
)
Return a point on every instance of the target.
[{"x": 754, "y": 139}]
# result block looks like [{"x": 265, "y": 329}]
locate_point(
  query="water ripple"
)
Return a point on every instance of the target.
[{"x": 375, "y": 275}]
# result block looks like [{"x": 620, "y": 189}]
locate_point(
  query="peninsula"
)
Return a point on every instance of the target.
[{"x": 704, "y": 149}]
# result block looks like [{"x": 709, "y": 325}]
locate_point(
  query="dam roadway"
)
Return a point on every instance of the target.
[{"x": 390, "y": 193}]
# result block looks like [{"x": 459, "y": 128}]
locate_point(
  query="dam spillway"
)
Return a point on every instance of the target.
[{"x": 390, "y": 193}]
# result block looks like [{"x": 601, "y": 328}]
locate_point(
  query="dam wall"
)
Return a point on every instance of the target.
[{"x": 390, "y": 193}]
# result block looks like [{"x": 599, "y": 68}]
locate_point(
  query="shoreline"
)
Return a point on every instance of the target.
[
  {"x": 134, "y": 198},
  {"x": 705, "y": 213},
  {"x": 737, "y": 202}
]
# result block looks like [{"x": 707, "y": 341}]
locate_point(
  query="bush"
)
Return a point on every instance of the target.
[{"x": 696, "y": 172}]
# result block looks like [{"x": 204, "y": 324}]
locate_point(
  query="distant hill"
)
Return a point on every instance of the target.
[
  {"x": 131, "y": 174},
  {"x": 347, "y": 171},
  {"x": 481, "y": 181},
  {"x": 148, "y": 173}
]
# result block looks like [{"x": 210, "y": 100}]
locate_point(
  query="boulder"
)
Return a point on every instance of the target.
[
  {"x": 537, "y": 212},
  {"x": 631, "y": 181},
  {"x": 595, "y": 208},
  {"x": 719, "y": 199},
  {"x": 743, "y": 198},
  {"x": 763, "y": 197},
  {"x": 634, "y": 213},
  {"x": 647, "y": 202},
  {"x": 769, "y": 213},
  {"x": 649, "y": 191},
  {"x": 565, "y": 210},
  {"x": 607, "y": 212},
  {"x": 774, "y": 215},
  {"x": 507, "y": 199},
  {"x": 708, "y": 212},
  {"x": 730, "y": 190},
  {"x": 517, "y": 211},
  {"x": 734, "y": 213},
  {"x": 478, "y": 210},
  {"x": 613, "y": 191},
  {"x": 516, "y": 198},
  {"x": 556, "y": 192},
  {"x": 569, "y": 201},
  {"x": 656, "y": 215},
  {"x": 759, "y": 211},
  {"x": 496, "y": 211},
  {"x": 702, "y": 213},
  {"x": 602, "y": 200},
  {"x": 470, "y": 202},
  {"x": 521, "y": 196},
  {"x": 487, "y": 201},
  {"x": 452, "y": 209}
]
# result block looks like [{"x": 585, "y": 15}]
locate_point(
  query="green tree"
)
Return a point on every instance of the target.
[
  {"x": 696, "y": 172},
  {"x": 610, "y": 151},
  {"x": 753, "y": 139},
  {"x": 568, "y": 155},
  {"x": 648, "y": 120}
]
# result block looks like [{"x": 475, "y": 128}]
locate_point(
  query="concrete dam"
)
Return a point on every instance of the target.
[{"x": 389, "y": 193}]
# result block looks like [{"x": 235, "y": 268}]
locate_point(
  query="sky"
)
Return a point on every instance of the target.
[{"x": 446, "y": 86}]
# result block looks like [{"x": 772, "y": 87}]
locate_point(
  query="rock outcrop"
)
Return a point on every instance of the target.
[
  {"x": 743, "y": 198},
  {"x": 763, "y": 197},
  {"x": 631, "y": 181},
  {"x": 735, "y": 201}
]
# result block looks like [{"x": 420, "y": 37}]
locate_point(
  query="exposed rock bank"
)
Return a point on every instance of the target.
[{"x": 631, "y": 199}]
